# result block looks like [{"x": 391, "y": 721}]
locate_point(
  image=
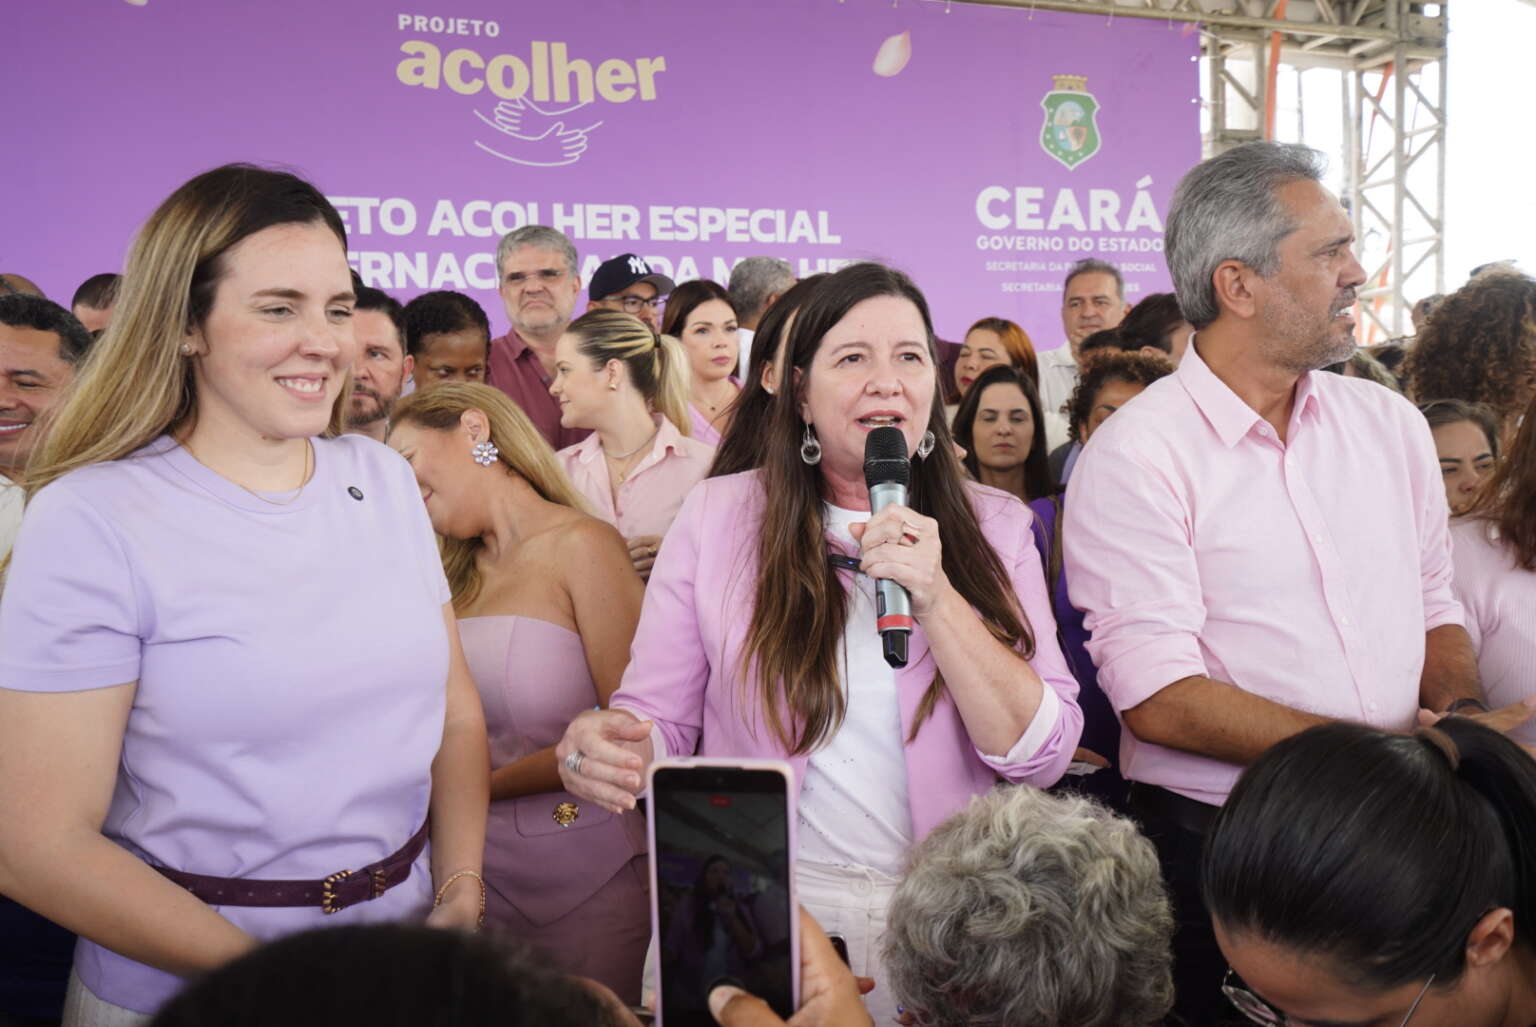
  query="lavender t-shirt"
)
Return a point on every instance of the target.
[{"x": 292, "y": 665}]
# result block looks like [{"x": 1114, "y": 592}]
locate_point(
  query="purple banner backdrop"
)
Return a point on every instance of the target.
[{"x": 981, "y": 149}]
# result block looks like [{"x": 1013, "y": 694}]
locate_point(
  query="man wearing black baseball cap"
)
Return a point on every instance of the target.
[{"x": 627, "y": 283}]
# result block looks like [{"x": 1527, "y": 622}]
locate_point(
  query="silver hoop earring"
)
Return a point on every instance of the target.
[
  {"x": 485, "y": 453},
  {"x": 926, "y": 446},
  {"x": 810, "y": 447}
]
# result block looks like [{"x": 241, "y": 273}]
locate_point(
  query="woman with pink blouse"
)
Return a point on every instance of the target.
[
  {"x": 630, "y": 386},
  {"x": 774, "y": 569},
  {"x": 1494, "y": 550}
]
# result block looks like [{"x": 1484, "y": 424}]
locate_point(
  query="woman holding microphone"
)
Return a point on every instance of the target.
[{"x": 759, "y": 572}]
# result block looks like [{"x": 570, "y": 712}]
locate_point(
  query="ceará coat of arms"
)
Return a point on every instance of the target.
[{"x": 1070, "y": 134}]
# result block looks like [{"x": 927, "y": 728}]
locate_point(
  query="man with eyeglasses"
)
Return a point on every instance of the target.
[
  {"x": 539, "y": 282},
  {"x": 627, "y": 283}
]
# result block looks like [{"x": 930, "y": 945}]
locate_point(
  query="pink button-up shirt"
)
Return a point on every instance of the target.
[
  {"x": 685, "y": 664},
  {"x": 1307, "y": 572},
  {"x": 650, "y": 497}
]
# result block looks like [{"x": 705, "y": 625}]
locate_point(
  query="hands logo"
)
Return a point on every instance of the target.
[
  {"x": 537, "y": 136},
  {"x": 540, "y": 120}
]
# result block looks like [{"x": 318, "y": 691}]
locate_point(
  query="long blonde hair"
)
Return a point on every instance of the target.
[
  {"x": 136, "y": 385},
  {"x": 657, "y": 364},
  {"x": 520, "y": 448}
]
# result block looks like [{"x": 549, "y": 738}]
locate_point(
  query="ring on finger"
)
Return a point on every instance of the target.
[
  {"x": 573, "y": 761},
  {"x": 909, "y": 534}
]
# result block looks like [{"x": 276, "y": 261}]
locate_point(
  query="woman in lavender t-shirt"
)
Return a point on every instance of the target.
[{"x": 225, "y": 648}]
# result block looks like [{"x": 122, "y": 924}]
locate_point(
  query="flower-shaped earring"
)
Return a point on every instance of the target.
[{"x": 485, "y": 453}]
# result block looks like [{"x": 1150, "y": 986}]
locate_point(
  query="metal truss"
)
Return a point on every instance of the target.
[{"x": 1390, "y": 58}]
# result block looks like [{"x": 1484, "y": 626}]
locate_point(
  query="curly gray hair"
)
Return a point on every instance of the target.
[{"x": 1031, "y": 908}]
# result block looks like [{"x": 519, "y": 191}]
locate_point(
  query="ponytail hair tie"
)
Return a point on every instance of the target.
[{"x": 1444, "y": 743}]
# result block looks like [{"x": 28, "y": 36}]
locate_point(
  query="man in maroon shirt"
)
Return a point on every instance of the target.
[{"x": 539, "y": 282}]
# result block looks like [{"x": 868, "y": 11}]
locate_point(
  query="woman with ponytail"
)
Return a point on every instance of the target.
[
  {"x": 547, "y": 604},
  {"x": 1359, "y": 877},
  {"x": 628, "y": 385}
]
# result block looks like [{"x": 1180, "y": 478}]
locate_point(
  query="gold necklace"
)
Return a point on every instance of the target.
[
  {"x": 309, "y": 453},
  {"x": 623, "y": 471},
  {"x": 632, "y": 452}
]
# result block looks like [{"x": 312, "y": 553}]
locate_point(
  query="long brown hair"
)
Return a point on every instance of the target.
[
  {"x": 688, "y": 296},
  {"x": 520, "y": 448},
  {"x": 798, "y": 594},
  {"x": 1507, "y": 499},
  {"x": 136, "y": 385},
  {"x": 1038, "y": 480},
  {"x": 741, "y": 447}
]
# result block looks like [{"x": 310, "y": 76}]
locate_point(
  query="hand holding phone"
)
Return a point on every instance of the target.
[
  {"x": 829, "y": 993},
  {"x": 722, "y": 886}
]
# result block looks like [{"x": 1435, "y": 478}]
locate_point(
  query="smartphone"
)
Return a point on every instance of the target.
[{"x": 722, "y": 885}]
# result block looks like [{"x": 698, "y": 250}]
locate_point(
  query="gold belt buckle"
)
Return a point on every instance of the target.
[
  {"x": 328, "y": 892},
  {"x": 565, "y": 813}
]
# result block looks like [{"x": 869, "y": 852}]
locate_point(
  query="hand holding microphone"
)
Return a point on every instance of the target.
[{"x": 899, "y": 546}]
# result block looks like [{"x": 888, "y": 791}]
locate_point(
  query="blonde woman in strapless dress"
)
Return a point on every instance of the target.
[{"x": 547, "y": 599}]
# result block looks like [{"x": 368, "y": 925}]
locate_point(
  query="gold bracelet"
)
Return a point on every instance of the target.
[{"x": 437, "y": 900}]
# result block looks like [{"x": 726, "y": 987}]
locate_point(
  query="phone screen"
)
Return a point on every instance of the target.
[{"x": 722, "y": 899}]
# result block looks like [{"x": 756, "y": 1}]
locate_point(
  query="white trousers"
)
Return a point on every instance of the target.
[
  {"x": 83, "y": 1009},
  {"x": 846, "y": 901},
  {"x": 851, "y": 902}
]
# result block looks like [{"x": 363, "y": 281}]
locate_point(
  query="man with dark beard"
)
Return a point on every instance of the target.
[
  {"x": 1258, "y": 547},
  {"x": 382, "y": 367}
]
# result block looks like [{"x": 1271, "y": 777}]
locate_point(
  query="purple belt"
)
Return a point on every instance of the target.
[{"x": 332, "y": 894}]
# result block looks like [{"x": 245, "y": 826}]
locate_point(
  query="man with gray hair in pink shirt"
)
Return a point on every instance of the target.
[{"x": 1258, "y": 547}]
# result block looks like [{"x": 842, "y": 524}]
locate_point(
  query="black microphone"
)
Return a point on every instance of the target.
[{"x": 887, "y": 470}]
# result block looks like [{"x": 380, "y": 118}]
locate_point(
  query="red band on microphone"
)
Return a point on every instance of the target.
[{"x": 896, "y": 621}]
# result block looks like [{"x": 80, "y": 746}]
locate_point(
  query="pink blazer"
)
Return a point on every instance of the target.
[{"x": 684, "y": 669}]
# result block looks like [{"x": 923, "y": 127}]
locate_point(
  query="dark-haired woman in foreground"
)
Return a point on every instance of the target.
[
  {"x": 791, "y": 550},
  {"x": 1357, "y": 877}
]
